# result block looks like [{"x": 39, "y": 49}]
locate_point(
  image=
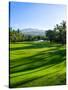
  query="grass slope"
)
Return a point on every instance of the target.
[{"x": 37, "y": 64}]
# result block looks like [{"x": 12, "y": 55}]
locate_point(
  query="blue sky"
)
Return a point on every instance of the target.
[{"x": 36, "y": 15}]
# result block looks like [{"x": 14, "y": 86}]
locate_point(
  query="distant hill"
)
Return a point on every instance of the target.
[{"x": 33, "y": 32}]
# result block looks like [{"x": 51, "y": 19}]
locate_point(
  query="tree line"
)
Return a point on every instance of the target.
[
  {"x": 18, "y": 36},
  {"x": 58, "y": 34}
]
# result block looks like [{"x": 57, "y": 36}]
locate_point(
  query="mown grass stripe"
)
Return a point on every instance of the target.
[{"x": 32, "y": 62}]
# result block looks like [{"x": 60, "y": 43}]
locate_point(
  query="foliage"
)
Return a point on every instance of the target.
[
  {"x": 18, "y": 36},
  {"x": 58, "y": 34}
]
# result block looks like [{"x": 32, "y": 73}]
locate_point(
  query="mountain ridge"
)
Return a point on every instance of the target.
[{"x": 33, "y": 31}]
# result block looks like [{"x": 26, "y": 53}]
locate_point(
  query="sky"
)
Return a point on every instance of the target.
[{"x": 36, "y": 15}]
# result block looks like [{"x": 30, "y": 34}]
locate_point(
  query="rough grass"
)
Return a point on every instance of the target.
[{"x": 37, "y": 64}]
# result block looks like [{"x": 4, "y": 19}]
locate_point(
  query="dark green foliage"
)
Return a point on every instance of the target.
[
  {"x": 58, "y": 34},
  {"x": 18, "y": 36},
  {"x": 50, "y": 35}
]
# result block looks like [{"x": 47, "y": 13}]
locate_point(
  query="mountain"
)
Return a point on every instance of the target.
[{"x": 33, "y": 32}]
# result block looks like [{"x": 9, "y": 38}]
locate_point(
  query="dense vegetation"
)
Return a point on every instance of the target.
[
  {"x": 18, "y": 36},
  {"x": 58, "y": 34}
]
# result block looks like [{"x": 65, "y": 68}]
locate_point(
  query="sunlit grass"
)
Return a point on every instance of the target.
[{"x": 37, "y": 64}]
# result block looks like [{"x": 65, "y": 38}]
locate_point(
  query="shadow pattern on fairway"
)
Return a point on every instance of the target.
[
  {"x": 36, "y": 46},
  {"x": 26, "y": 81},
  {"x": 47, "y": 77},
  {"x": 41, "y": 59}
]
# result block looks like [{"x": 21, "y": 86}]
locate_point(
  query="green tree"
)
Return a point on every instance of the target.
[
  {"x": 61, "y": 32},
  {"x": 50, "y": 35}
]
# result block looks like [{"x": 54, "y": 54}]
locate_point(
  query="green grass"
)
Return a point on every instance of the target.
[{"x": 37, "y": 64}]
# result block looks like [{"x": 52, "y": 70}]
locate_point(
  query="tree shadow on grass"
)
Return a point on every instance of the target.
[
  {"x": 25, "y": 42},
  {"x": 36, "y": 46},
  {"x": 44, "y": 58},
  {"x": 39, "y": 60},
  {"x": 23, "y": 82},
  {"x": 47, "y": 80},
  {"x": 50, "y": 76}
]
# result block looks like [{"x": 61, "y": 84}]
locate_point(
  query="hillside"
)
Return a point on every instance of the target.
[{"x": 33, "y": 32}]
